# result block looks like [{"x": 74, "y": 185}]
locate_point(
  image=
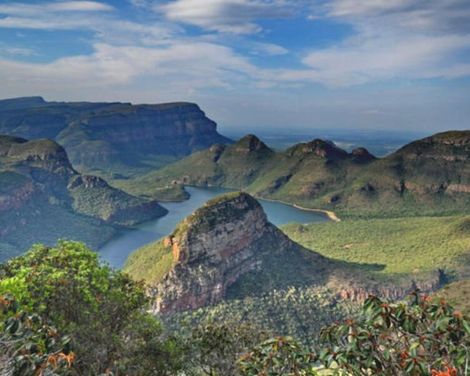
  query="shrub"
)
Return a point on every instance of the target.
[
  {"x": 30, "y": 346},
  {"x": 415, "y": 337}
]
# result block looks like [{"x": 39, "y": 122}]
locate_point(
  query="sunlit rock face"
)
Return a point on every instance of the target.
[{"x": 212, "y": 249}]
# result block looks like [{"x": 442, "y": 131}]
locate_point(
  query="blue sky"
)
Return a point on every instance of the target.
[{"x": 287, "y": 64}]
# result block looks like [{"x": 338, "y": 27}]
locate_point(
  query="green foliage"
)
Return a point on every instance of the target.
[
  {"x": 415, "y": 337},
  {"x": 101, "y": 309},
  {"x": 458, "y": 294},
  {"x": 298, "y": 312},
  {"x": 279, "y": 356},
  {"x": 407, "y": 338},
  {"x": 147, "y": 350},
  {"x": 111, "y": 205},
  {"x": 213, "y": 349},
  {"x": 408, "y": 247},
  {"x": 151, "y": 189},
  {"x": 29, "y": 346}
]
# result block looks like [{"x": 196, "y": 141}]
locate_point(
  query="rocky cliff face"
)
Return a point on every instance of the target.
[
  {"x": 211, "y": 250},
  {"x": 116, "y": 136}
]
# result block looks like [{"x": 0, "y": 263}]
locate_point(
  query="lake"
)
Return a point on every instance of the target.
[{"x": 116, "y": 251}]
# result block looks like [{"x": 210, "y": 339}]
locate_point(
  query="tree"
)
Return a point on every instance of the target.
[{"x": 101, "y": 309}]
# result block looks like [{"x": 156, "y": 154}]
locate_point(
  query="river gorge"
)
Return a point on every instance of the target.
[{"x": 116, "y": 251}]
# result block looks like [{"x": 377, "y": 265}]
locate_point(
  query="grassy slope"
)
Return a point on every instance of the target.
[
  {"x": 399, "y": 247},
  {"x": 150, "y": 262}
]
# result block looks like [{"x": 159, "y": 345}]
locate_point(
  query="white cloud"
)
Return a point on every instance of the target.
[
  {"x": 228, "y": 16},
  {"x": 400, "y": 39},
  {"x": 181, "y": 66},
  {"x": 18, "y": 51},
  {"x": 140, "y": 3},
  {"x": 26, "y": 9},
  {"x": 106, "y": 25},
  {"x": 364, "y": 60},
  {"x": 268, "y": 49},
  {"x": 83, "y": 6}
]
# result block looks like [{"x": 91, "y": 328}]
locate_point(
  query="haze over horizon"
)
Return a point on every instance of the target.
[{"x": 393, "y": 65}]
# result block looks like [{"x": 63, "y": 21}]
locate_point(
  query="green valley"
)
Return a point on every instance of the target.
[{"x": 399, "y": 247}]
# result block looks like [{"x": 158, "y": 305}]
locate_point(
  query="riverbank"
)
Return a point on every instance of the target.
[{"x": 330, "y": 214}]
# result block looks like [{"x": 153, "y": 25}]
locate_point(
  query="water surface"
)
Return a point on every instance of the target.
[{"x": 116, "y": 251}]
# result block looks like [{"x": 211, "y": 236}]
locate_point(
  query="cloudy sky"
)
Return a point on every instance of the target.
[{"x": 290, "y": 64}]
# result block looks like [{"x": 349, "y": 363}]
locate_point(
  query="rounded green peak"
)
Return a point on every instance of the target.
[
  {"x": 321, "y": 148},
  {"x": 250, "y": 143},
  {"x": 452, "y": 142},
  {"x": 454, "y": 137},
  {"x": 362, "y": 155}
]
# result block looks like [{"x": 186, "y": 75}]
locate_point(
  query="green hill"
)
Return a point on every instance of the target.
[
  {"x": 400, "y": 247},
  {"x": 426, "y": 177}
]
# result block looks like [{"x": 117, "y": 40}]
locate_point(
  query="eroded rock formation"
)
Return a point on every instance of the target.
[{"x": 212, "y": 249}]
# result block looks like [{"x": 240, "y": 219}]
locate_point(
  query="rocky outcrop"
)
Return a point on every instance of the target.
[
  {"x": 391, "y": 291},
  {"x": 222, "y": 241},
  {"x": 458, "y": 188}
]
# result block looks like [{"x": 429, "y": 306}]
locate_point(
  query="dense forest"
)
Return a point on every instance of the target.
[{"x": 65, "y": 313}]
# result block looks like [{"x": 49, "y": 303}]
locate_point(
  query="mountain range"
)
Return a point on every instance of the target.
[
  {"x": 428, "y": 176},
  {"x": 112, "y": 139}
]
